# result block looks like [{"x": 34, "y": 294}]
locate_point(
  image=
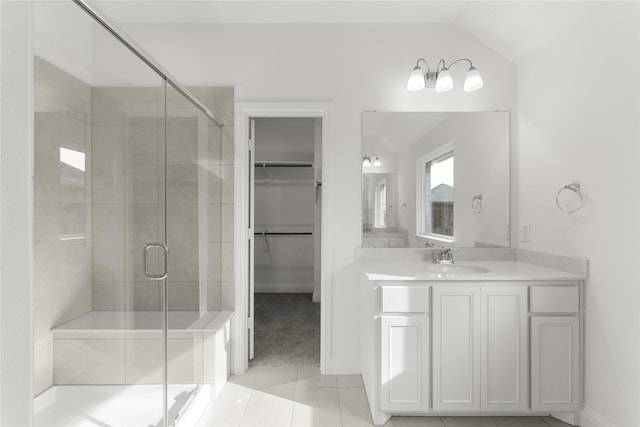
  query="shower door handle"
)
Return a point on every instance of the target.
[{"x": 145, "y": 261}]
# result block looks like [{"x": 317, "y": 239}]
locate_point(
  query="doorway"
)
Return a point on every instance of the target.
[
  {"x": 281, "y": 251},
  {"x": 286, "y": 209}
]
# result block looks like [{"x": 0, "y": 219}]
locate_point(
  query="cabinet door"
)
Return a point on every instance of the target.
[
  {"x": 404, "y": 364},
  {"x": 554, "y": 363},
  {"x": 504, "y": 349},
  {"x": 456, "y": 348}
]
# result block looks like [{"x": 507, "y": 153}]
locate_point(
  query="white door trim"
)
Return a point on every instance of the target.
[{"x": 244, "y": 112}]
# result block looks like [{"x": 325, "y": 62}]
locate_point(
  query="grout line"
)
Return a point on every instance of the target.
[
  {"x": 251, "y": 387},
  {"x": 244, "y": 411},
  {"x": 295, "y": 388},
  {"x": 339, "y": 402}
]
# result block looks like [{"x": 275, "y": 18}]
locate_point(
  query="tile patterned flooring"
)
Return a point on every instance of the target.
[
  {"x": 284, "y": 388},
  {"x": 287, "y": 331},
  {"x": 291, "y": 396}
]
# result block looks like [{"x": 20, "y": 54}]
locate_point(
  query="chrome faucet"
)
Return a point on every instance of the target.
[{"x": 441, "y": 254}]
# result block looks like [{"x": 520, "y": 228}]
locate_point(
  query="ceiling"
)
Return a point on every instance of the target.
[{"x": 515, "y": 29}]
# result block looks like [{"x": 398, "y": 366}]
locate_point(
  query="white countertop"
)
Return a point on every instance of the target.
[
  {"x": 383, "y": 234},
  {"x": 498, "y": 271}
]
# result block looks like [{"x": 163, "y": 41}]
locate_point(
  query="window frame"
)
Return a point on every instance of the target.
[{"x": 421, "y": 192}]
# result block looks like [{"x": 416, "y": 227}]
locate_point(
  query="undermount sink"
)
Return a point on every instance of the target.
[{"x": 455, "y": 269}]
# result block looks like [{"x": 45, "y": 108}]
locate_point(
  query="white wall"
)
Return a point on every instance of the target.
[
  {"x": 576, "y": 123},
  {"x": 357, "y": 67},
  {"x": 16, "y": 203}
]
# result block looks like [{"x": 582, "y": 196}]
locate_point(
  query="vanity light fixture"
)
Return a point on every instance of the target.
[
  {"x": 441, "y": 79},
  {"x": 367, "y": 158}
]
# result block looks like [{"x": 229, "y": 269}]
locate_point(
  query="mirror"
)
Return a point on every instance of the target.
[{"x": 436, "y": 177}]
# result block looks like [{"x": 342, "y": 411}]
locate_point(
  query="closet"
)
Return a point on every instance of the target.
[{"x": 286, "y": 241}]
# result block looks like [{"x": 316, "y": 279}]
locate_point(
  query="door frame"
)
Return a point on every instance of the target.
[{"x": 243, "y": 113}]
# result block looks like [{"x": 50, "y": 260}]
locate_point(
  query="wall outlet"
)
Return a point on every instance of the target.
[{"x": 525, "y": 233}]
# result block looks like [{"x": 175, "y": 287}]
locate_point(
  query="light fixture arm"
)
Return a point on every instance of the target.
[
  {"x": 425, "y": 63},
  {"x": 458, "y": 60},
  {"x": 444, "y": 66}
]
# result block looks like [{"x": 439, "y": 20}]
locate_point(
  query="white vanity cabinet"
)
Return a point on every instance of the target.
[
  {"x": 404, "y": 348},
  {"x": 456, "y": 348},
  {"x": 502, "y": 345},
  {"x": 396, "y": 348},
  {"x": 504, "y": 349},
  {"x": 555, "y": 348},
  {"x": 404, "y": 363},
  {"x": 480, "y": 348}
]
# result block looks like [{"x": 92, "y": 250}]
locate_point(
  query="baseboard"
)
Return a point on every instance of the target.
[
  {"x": 590, "y": 418},
  {"x": 316, "y": 297},
  {"x": 306, "y": 288}
]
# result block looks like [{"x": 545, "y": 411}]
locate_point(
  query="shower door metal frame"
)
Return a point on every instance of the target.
[{"x": 137, "y": 50}]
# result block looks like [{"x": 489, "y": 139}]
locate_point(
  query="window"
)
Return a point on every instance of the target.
[
  {"x": 380, "y": 204},
  {"x": 435, "y": 186}
]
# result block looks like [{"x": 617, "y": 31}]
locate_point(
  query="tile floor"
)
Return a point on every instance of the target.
[{"x": 290, "y": 396}]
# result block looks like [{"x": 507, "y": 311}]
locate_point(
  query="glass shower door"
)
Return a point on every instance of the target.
[
  {"x": 128, "y": 241},
  {"x": 99, "y": 201},
  {"x": 193, "y": 194}
]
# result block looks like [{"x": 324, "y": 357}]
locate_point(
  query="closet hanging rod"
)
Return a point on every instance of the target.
[
  {"x": 284, "y": 164},
  {"x": 285, "y": 233},
  {"x": 284, "y": 182}
]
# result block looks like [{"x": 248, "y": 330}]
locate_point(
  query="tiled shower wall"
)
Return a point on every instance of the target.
[
  {"x": 62, "y": 215},
  {"x": 127, "y": 134},
  {"x": 128, "y": 196}
]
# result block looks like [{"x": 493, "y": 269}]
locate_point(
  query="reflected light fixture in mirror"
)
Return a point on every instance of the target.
[
  {"x": 368, "y": 158},
  {"x": 441, "y": 79}
]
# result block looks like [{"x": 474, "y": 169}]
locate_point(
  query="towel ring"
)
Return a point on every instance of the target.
[
  {"x": 576, "y": 191},
  {"x": 476, "y": 204}
]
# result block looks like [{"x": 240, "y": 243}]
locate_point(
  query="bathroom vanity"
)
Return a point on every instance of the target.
[{"x": 481, "y": 337}]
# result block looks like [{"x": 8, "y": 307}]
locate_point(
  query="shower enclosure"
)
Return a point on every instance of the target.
[{"x": 131, "y": 184}]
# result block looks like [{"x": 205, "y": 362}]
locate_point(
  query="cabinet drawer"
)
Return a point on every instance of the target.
[
  {"x": 554, "y": 299},
  {"x": 404, "y": 299}
]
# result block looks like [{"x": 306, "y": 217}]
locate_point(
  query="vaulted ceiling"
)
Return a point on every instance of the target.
[{"x": 515, "y": 29}]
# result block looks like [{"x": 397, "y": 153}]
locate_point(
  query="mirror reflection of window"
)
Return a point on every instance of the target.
[
  {"x": 381, "y": 204},
  {"x": 482, "y": 158},
  {"x": 437, "y": 188}
]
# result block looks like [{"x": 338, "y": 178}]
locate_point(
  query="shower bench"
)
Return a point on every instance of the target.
[{"x": 118, "y": 347}]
